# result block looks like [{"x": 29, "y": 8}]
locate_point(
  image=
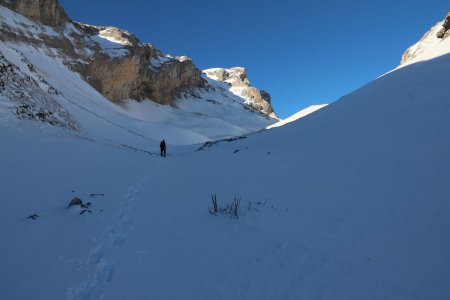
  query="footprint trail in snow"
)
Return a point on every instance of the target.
[{"x": 100, "y": 264}]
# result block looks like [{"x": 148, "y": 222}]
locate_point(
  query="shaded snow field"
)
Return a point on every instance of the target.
[{"x": 353, "y": 205}]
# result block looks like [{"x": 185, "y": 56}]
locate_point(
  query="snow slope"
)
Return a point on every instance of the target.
[
  {"x": 350, "y": 202},
  {"x": 304, "y": 112}
]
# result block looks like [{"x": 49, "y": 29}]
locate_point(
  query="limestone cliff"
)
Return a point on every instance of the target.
[
  {"x": 112, "y": 60},
  {"x": 48, "y": 12},
  {"x": 123, "y": 67}
]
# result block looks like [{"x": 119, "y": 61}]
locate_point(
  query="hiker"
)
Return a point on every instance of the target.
[{"x": 163, "y": 148}]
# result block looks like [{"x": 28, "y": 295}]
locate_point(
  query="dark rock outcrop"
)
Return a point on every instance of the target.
[{"x": 445, "y": 31}]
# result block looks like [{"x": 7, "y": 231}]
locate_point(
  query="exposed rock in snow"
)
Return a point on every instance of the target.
[
  {"x": 444, "y": 32},
  {"x": 31, "y": 98}
]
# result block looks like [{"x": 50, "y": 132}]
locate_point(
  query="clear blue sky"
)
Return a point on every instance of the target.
[{"x": 301, "y": 52}]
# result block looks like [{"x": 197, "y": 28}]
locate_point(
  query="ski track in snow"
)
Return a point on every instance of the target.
[{"x": 99, "y": 263}]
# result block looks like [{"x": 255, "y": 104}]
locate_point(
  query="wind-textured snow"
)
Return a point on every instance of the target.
[{"x": 349, "y": 202}]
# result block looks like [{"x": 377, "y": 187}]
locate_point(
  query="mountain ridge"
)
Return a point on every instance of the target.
[
  {"x": 101, "y": 81},
  {"x": 112, "y": 60}
]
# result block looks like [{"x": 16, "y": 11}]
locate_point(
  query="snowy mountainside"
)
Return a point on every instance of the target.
[{"x": 199, "y": 114}]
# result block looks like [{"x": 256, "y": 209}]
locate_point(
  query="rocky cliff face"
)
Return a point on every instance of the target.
[
  {"x": 240, "y": 86},
  {"x": 123, "y": 67},
  {"x": 440, "y": 31},
  {"x": 114, "y": 61},
  {"x": 48, "y": 12}
]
